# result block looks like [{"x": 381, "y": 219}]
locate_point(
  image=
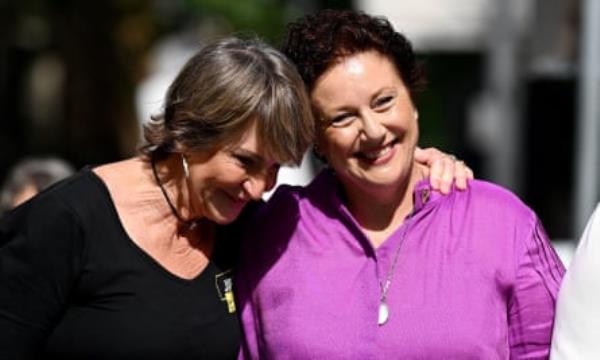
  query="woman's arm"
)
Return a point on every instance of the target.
[{"x": 532, "y": 303}]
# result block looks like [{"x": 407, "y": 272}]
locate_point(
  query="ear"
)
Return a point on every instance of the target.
[{"x": 416, "y": 114}]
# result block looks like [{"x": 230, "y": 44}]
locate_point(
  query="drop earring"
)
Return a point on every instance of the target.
[{"x": 186, "y": 169}]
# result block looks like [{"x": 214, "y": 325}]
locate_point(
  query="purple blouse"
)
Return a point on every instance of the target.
[{"x": 476, "y": 278}]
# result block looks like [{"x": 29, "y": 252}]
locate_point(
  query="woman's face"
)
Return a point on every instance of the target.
[
  {"x": 369, "y": 123},
  {"x": 223, "y": 182}
]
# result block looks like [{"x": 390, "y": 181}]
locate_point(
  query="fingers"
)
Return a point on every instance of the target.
[
  {"x": 462, "y": 173},
  {"x": 461, "y": 176},
  {"x": 447, "y": 175},
  {"x": 436, "y": 173},
  {"x": 433, "y": 168},
  {"x": 444, "y": 169},
  {"x": 470, "y": 173},
  {"x": 440, "y": 165},
  {"x": 427, "y": 156}
]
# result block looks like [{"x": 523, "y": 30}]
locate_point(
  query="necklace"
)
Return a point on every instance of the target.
[
  {"x": 384, "y": 310},
  {"x": 184, "y": 225}
]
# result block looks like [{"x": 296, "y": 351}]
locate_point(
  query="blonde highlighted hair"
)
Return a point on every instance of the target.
[{"x": 221, "y": 90}]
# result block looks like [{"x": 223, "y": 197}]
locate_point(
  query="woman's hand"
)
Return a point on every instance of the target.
[{"x": 443, "y": 169}]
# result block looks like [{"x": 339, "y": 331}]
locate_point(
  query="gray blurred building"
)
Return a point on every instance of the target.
[{"x": 534, "y": 118}]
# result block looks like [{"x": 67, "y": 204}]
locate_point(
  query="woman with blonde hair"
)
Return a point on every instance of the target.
[{"x": 126, "y": 260}]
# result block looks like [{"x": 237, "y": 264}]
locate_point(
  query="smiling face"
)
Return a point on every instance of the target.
[
  {"x": 368, "y": 122},
  {"x": 223, "y": 182}
]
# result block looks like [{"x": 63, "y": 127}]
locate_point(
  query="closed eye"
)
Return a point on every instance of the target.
[
  {"x": 341, "y": 119},
  {"x": 383, "y": 101},
  {"x": 254, "y": 164},
  {"x": 245, "y": 161}
]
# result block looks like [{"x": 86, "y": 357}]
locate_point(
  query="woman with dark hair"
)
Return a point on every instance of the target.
[
  {"x": 132, "y": 260},
  {"x": 368, "y": 262}
]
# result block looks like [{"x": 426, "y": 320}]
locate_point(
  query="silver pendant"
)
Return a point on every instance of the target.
[{"x": 384, "y": 313}]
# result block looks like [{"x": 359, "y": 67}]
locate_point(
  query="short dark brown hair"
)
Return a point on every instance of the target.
[
  {"x": 221, "y": 90},
  {"x": 315, "y": 42}
]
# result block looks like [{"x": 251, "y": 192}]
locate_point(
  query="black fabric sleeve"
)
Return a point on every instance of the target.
[{"x": 39, "y": 261}]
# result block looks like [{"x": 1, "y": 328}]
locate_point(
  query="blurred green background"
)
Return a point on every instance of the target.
[{"x": 70, "y": 76}]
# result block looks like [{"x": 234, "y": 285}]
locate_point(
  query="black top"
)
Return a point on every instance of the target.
[{"x": 73, "y": 285}]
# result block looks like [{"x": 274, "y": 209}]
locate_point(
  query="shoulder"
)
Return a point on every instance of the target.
[
  {"x": 491, "y": 200},
  {"x": 285, "y": 196},
  {"x": 288, "y": 200},
  {"x": 51, "y": 215},
  {"x": 480, "y": 189},
  {"x": 484, "y": 210},
  {"x": 279, "y": 218},
  {"x": 81, "y": 194}
]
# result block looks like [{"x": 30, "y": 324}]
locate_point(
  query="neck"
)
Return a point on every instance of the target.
[
  {"x": 381, "y": 212},
  {"x": 172, "y": 182},
  {"x": 142, "y": 207},
  {"x": 192, "y": 233}
]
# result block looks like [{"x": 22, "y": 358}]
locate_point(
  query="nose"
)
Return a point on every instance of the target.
[
  {"x": 371, "y": 129},
  {"x": 254, "y": 187},
  {"x": 256, "y": 184}
]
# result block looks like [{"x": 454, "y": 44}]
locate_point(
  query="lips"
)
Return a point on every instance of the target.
[
  {"x": 235, "y": 202},
  {"x": 373, "y": 155},
  {"x": 238, "y": 202},
  {"x": 379, "y": 155}
]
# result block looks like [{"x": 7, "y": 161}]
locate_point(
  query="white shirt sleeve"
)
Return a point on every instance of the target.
[{"x": 577, "y": 323}]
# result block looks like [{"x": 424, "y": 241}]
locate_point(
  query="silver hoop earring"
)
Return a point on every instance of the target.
[{"x": 186, "y": 169}]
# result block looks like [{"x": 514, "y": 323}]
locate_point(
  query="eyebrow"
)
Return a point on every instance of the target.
[
  {"x": 378, "y": 93},
  {"x": 250, "y": 154}
]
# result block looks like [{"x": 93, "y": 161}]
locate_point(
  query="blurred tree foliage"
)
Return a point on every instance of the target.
[
  {"x": 69, "y": 69},
  {"x": 80, "y": 59},
  {"x": 266, "y": 18}
]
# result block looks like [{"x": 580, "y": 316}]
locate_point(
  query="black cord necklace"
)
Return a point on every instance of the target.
[{"x": 184, "y": 225}]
